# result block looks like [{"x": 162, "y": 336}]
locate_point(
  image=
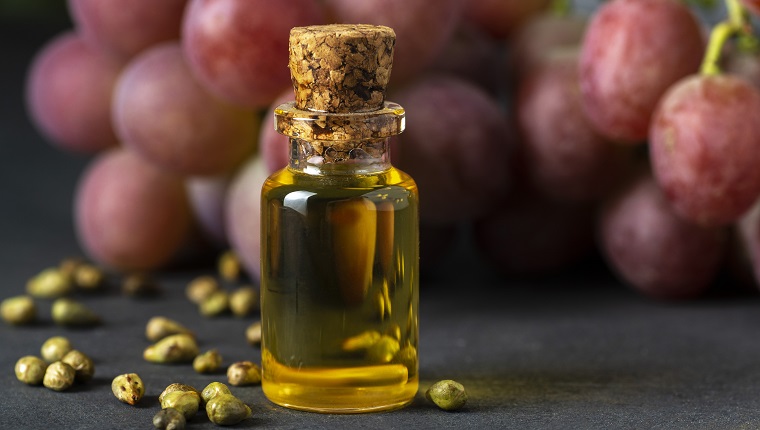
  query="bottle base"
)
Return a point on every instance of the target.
[
  {"x": 340, "y": 400},
  {"x": 340, "y": 390}
]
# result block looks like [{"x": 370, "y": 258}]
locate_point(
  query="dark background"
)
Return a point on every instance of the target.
[{"x": 576, "y": 350}]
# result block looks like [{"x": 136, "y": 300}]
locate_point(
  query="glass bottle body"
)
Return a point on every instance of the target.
[{"x": 339, "y": 281}]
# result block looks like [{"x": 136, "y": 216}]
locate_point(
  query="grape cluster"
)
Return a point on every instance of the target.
[
  {"x": 672, "y": 227},
  {"x": 549, "y": 134}
]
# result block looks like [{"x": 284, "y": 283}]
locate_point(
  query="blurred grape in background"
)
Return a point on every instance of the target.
[{"x": 526, "y": 174}]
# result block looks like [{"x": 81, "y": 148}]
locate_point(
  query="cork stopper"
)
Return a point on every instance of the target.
[{"x": 341, "y": 68}]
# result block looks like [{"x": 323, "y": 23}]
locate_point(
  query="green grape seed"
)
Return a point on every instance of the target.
[
  {"x": 30, "y": 370},
  {"x": 49, "y": 284},
  {"x": 128, "y": 388},
  {"x": 169, "y": 419},
  {"x": 59, "y": 376},
  {"x": 81, "y": 363},
  {"x": 55, "y": 348},
  {"x": 243, "y": 373},
  {"x": 159, "y": 327},
  {"x": 214, "y": 389},
  {"x": 208, "y": 362},
  {"x": 226, "y": 409},
  {"x": 177, "y": 387},
  {"x": 201, "y": 288},
  {"x": 244, "y": 301},
  {"x": 67, "y": 312},
  {"x": 18, "y": 310},
  {"x": 447, "y": 394},
  {"x": 216, "y": 304},
  {"x": 177, "y": 348},
  {"x": 186, "y": 402}
]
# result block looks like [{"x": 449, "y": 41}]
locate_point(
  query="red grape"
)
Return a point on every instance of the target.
[
  {"x": 162, "y": 113},
  {"x": 238, "y": 49},
  {"x": 243, "y": 214},
  {"x": 456, "y": 145},
  {"x": 633, "y": 50},
  {"x": 565, "y": 158},
  {"x": 540, "y": 36},
  {"x": 410, "y": 20},
  {"x": 501, "y": 17},
  {"x": 123, "y": 29},
  {"x": 275, "y": 147},
  {"x": 653, "y": 249},
  {"x": 207, "y": 196},
  {"x": 69, "y": 94},
  {"x": 705, "y": 147},
  {"x": 530, "y": 234},
  {"x": 130, "y": 215}
]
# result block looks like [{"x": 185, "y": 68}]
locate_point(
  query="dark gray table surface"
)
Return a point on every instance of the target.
[{"x": 577, "y": 351}]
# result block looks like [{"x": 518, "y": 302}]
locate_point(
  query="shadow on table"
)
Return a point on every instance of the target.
[{"x": 588, "y": 386}]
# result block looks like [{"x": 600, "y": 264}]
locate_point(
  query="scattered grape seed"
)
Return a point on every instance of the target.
[
  {"x": 243, "y": 373},
  {"x": 201, "y": 288},
  {"x": 18, "y": 310},
  {"x": 214, "y": 389},
  {"x": 160, "y": 327},
  {"x": 447, "y": 394},
  {"x": 169, "y": 419},
  {"x": 67, "y": 312},
  {"x": 177, "y": 387},
  {"x": 208, "y": 362},
  {"x": 177, "y": 348},
  {"x": 128, "y": 388},
  {"x": 55, "y": 348},
  {"x": 81, "y": 363},
  {"x": 186, "y": 402},
  {"x": 226, "y": 409},
  {"x": 49, "y": 284},
  {"x": 59, "y": 376},
  {"x": 30, "y": 370}
]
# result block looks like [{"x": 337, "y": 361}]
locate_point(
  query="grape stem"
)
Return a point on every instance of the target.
[
  {"x": 736, "y": 13},
  {"x": 718, "y": 37},
  {"x": 736, "y": 24}
]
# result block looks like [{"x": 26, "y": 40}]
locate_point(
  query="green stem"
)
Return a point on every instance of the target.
[
  {"x": 718, "y": 37},
  {"x": 736, "y": 13},
  {"x": 736, "y": 24}
]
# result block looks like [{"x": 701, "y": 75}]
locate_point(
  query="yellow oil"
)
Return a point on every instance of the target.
[{"x": 339, "y": 289}]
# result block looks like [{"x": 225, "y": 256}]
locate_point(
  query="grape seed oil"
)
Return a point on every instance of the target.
[{"x": 339, "y": 232}]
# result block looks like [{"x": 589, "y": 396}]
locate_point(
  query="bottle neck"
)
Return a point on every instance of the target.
[
  {"x": 347, "y": 143},
  {"x": 320, "y": 157}
]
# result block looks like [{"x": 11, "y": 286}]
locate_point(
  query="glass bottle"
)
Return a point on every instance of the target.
[{"x": 339, "y": 279}]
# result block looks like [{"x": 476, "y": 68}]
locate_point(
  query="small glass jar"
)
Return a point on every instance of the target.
[{"x": 339, "y": 279}]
